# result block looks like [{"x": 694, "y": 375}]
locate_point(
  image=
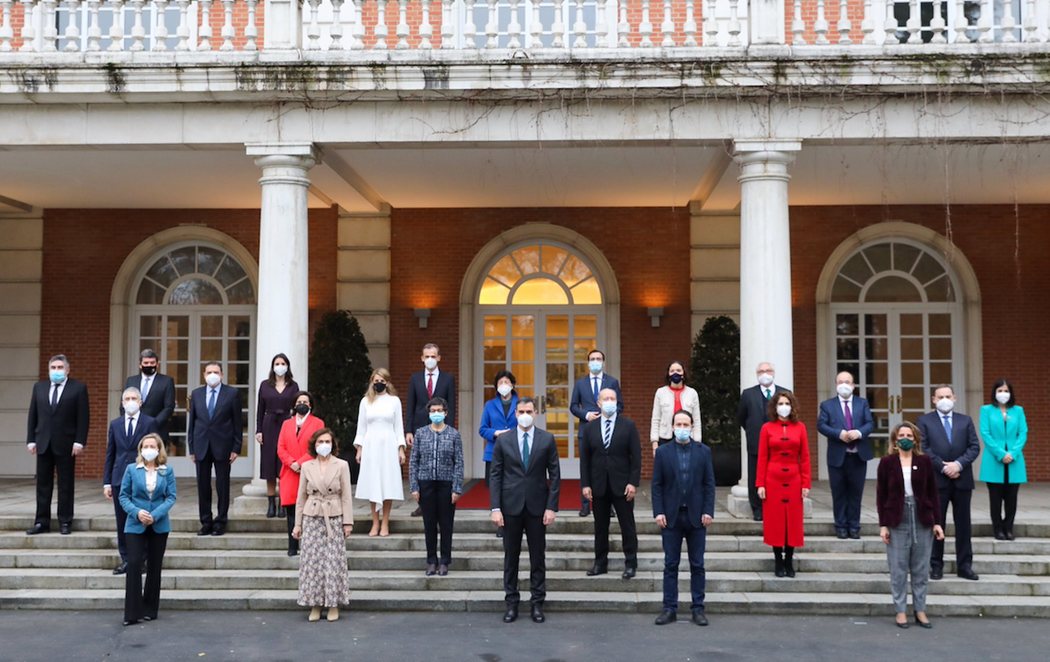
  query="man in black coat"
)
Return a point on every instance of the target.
[
  {"x": 523, "y": 493},
  {"x": 157, "y": 391},
  {"x": 610, "y": 471},
  {"x": 751, "y": 415},
  {"x": 57, "y": 433},
  {"x": 214, "y": 434}
]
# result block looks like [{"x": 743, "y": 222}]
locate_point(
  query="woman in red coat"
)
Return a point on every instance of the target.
[
  {"x": 782, "y": 479},
  {"x": 293, "y": 448}
]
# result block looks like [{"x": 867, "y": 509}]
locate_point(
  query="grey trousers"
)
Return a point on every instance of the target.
[{"x": 909, "y": 551}]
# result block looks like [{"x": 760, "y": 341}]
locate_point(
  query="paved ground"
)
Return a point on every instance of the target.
[{"x": 76, "y": 636}]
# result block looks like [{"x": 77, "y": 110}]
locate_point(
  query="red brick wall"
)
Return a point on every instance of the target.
[
  {"x": 653, "y": 272},
  {"x": 84, "y": 249},
  {"x": 1015, "y": 335}
]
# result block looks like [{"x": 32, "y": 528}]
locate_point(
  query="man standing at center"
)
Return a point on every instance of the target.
[
  {"x": 523, "y": 493},
  {"x": 846, "y": 422},
  {"x": 423, "y": 386},
  {"x": 610, "y": 471},
  {"x": 213, "y": 428},
  {"x": 584, "y": 403},
  {"x": 751, "y": 415}
]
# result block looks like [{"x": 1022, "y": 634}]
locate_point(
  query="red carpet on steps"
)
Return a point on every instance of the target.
[{"x": 477, "y": 496}]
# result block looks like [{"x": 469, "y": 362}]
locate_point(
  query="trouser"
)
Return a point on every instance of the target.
[
  {"x": 752, "y": 491},
  {"x": 439, "y": 513},
  {"x": 909, "y": 553},
  {"x": 847, "y": 491},
  {"x": 603, "y": 507},
  {"x": 293, "y": 544},
  {"x": 532, "y": 526},
  {"x": 488, "y": 472},
  {"x": 959, "y": 500},
  {"x": 696, "y": 539},
  {"x": 998, "y": 495},
  {"x": 149, "y": 547},
  {"x": 205, "y": 463},
  {"x": 48, "y": 463},
  {"x": 122, "y": 518}
]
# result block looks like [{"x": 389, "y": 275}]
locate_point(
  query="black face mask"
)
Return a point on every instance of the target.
[
  {"x": 302, "y": 409},
  {"x": 149, "y": 370},
  {"x": 676, "y": 378},
  {"x": 379, "y": 387}
]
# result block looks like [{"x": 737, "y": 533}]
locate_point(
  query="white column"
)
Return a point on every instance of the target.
[
  {"x": 283, "y": 309},
  {"x": 765, "y": 271}
]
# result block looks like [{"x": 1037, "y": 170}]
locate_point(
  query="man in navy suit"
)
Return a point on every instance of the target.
[
  {"x": 950, "y": 441},
  {"x": 584, "y": 404},
  {"x": 58, "y": 429},
  {"x": 428, "y": 383},
  {"x": 751, "y": 415},
  {"x": 683, "y": 504},
  {"x": 213, "y": 428},
  {"x": 122, "y": 448},
  {"x": 158, "y": 391},
  {"x": 847, "y": 423}
]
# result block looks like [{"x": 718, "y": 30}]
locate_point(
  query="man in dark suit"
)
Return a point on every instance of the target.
[
  {"x": 122, "y": 448},
  {"x": 751, "y": 415},
  {"x": 158, "y": 391},
  {"x": 950, "y": 441},
  {"x": 610, "y": 471},
  {"x": 213, "y": 428},
  {"x": 428, "y": 383},
  {"x": 523, "y": 491},
  {"x": 584, "y": 403},
  {"x": 846, "y": 421},
  {"x": 683, "y": 506},
  {"x": 57, "y": 433}
]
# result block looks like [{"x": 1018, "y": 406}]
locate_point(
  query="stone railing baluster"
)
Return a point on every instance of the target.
[
  {"x": 579, "y": 27},
  {"x": 667, "y": 26},
  {"x": 937, "y": 24},
  {"x": 689, "y": 27},
  {"x": 470, "y": 29},
  {"x": 1030, "y": 25},
  {"x": 402, "y": 25},
  {"x": 335, "y": 31},
  {"x": 514, "y": 26},
  {"x": 160, "y": 26},
  {"x": 984, "y": 24},
  {"x": 7, "y": 33},
  {"x": 1009, "y": 23},
  {"x": 492, "y": 25},
  {"x": 183, "y": 31},
  {"x": 138, "y": 29},
  {"x": 798, "y": 25},
  {"x": 227, "y": 32},
  {"x": 645, "y": 27},
  {"x": 72, "y": 33},
  {"x": 380, "y": 31},
  {"x": 28, "y": 34},
  {"x": 116, "y": 28},
  {"x": 357, "y": 27},
  {"x": 49, "y": 33},
  {"x": 914, "y": 23},
  {"x": 710, "y": 21},
  {"x": 426, "y": 30},
  {"x": 448, "y": 39},
  {"x": 844, "y": 25},
  {"x": 204, "y": 31},
  {"x": 536, "y": 28},
  {"x": 820, "y": 25},
  {"x": 251, "y": 30},
  {"x": 558, "y": 24},
  {"x": 623, "y": 28},
  {"x": 601, "y": 30},
  {"x": 313, "y": 28},
  {"x": 962, "y": 25},
  {"x": 867, "y": 24},
  {"x": 734, "y": 23}
]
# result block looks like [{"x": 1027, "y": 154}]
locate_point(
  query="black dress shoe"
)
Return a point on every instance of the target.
[
  {"x": 903, "y": 626},
  {"x": 841, "y": 534},
  {"x": 537, "y": 614},
  {"x": 37, "y": 529},
  {"x": 1009, "y": 534},
  {"x": 205, "y": 530},
  {"x": 65, "y": 529},
  {"x": 431, "y": 569},
  {"x": 585, "y": 509},
  {"x": 218, "y": 530},
  {"x": 699, "y": 618},
  {"x": 936, "y": 573},
  {"x": 629, "y": 572},
  {"x": 442, "y": 569},
  {"x": 418, "y": 512},
  {"x": 926, "y": 625},
  {"x": 968, "y": 573},
  {"x": 778, "y": 568},
  {"x": 121, "y": 569},
  {"x": 127, "y": 623},
  {"x": 511, "y": 614},
  {"x": 999, "y": 535},
  {"x": 665, "y": 617},
  {"x": 757, "y": 516},
  {"x": 854, "y": 534},
  {"x": 789, "y": 568},
  {"x": 597, "y": 569}
]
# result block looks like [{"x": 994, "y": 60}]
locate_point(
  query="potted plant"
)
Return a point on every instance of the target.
[{"x": 714, "y": 371}]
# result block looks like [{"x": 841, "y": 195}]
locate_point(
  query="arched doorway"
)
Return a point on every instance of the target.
[
  {"x": 893, "y": 311},
  {"x": 540, "y": 299}
]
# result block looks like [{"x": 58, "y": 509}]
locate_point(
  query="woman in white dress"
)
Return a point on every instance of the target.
[{"x": 380, "y": 447}]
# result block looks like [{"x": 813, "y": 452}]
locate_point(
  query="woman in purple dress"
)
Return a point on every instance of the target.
[{"x": 276, "y": 397}]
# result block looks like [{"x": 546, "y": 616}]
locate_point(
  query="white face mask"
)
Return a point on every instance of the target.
[
  {"x": 212, "y": 379},
  {"x": 131, "y": 407},
  {"x": 324, "y": 450},
  {"x": 150, "y": 454},
  {"x": 783, "y": 411},
  {"x": 280, "y": 370},
  {"x": 609, "y": 407},
  {"x": 504, "y": 390},
  {"x": 1002, "y": 397},
  {"x": 430, "y": 363},
  {"x": 525, "y": 421},
  {"x": 765, "y": 379},
  {"x": 844, "y": 390},
  {"x": 945, "y": 405}
]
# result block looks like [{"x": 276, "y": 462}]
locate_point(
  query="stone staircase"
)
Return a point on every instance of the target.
[{"x": 249, "y": 569}]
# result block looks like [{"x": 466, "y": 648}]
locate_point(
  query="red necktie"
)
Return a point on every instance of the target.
[{"x": 430, "y": 385}]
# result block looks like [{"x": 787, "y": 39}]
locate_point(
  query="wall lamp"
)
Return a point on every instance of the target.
[
  {"x": 423, "y": 315},
  {"x": 654, "y": 316}
]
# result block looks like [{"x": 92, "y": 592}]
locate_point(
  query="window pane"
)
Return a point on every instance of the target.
[
  {"x": 149, "y": 326},
  {"x": 911, "y": 325},
  {"x": 495, "y": 350},
  {"x": 540, "y": 291},
  {"x": 575, "y": 271},
  {"x": 558, "y": 326},
  {"x": 493, "y": 293},
  {"x": 856, "y": 269},
  {"x": 875, "y": 348},
  {"x": 879, "y": 257},
  {"x": 505, "y": 271},
  {"x": 553, "y": 258},
  {"x": 940, "y": 373},
  {"x": 208, "y": 260},
  {"x": 239, "y": 325},
  {"x": 163, "y": 271},
  {"x": 875, "y": 325},
  {"x": 876, "y": 373},
  {"x": 184, "y": 259},
  {"x": 229, "y": 272},
  {"x": 848, "y": 349},
  {"x": 940, "y": 325},
  {"x": 242, "y": 293},
  {"x": 892, "y": 289},
  {"x": 927, "y": 269},
  {"x": 178, "y": 326},
  {"x": 522, "y": 326},
  {"x": 940, "y": 290},
  {"x": 528, "y": 259},
  {"x": 587, "y": 292},
  {"x": 211, "y": 326},
  {"x": 911, "y": 349},
  {"x": 844, "y": 290},
  {"x": 912, "y": 373},
  {"x": 904, "y": 257},
  {"x": 495, "y": 325},
  {"x": 585, "y": 326},
  {"x": 941, "y": 349},
  {"x": 150, "y": 292},
  {"x": 846, "y": 325}
]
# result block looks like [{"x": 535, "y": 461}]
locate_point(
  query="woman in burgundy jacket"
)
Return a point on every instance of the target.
[{"x": 906, "y": 498}]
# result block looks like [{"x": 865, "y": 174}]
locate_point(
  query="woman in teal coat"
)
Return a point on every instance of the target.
[{"x": 1004, "y": 431}]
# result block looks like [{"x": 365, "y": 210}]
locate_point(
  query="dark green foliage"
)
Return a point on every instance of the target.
[
  {"x": 339, "y": 372},
  {"x": 714, "y": 371}
]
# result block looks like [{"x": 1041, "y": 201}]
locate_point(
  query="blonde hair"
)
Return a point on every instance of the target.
[
  {"x": 385, "y": 374},
  {"x": 162, "y": 455}
]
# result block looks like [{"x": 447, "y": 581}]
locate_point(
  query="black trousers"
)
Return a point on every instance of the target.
[
  {"x": 531, "y": 526},
  {"x": 290, "y": 513},
  {"x": 752, "y": 491},
  {"x": 603, "y": 507},
  {"x": 847, "y": 491},
  {"x": 148, "y": 547},
  {"x": 48, "y": 463},
  {"x": 122, "y": 518},
  {"x": 439, "y": 513},
  {"x": 205, "y": 463},
  {"x": 998, "y": 495},
  {"x": 960, "y": 502}
]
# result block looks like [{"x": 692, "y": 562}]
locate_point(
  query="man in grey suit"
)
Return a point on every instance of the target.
[
  {"x": 523, "y": 489},
  {"x": 158, "y": 391},
  {"x": 751, "y": 415}
]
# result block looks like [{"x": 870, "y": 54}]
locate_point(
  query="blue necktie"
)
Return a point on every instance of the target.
[
  {"x": 594, "y": 380},
  {"x": 525, "y": 450},
  {"x": 211, "y": 403},
  {"x": 948, "y": 426},
  {"x": 131, "y": 429},
  {"x": 608, "y": 433}
]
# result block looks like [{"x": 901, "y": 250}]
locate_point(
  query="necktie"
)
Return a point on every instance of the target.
[
  {"x": 211, "y": 403},
  {"x": 948, "y": 426},
  {"x": 849, "y": 416},
  {"x": 768, "y": 394},
  {"x": 54, "y": 396},
  {"x": 430, "y": 385},
  {"x": 595, "y": 382},
  {"x": 608, "y": 433},
  {"x": 525, "y": 450},
  {"x": 145, "y": 388},
  {"x": 131, "y": 427}
]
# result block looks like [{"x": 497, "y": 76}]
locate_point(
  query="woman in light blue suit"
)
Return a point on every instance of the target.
[
  {"x": 1004, "y": 431},
  {"x": 147, "y": 493}
]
